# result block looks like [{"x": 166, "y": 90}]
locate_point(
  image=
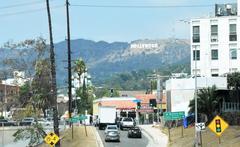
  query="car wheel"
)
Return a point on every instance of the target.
[{"x": 106, "y": 140}]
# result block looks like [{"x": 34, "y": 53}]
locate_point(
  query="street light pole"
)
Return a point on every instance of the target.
[{"x": 195, "y": 96}]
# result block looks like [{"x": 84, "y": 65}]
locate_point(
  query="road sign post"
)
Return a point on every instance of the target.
[
  {"x": 51, "y": 139},
  {"x": 169, "y": 116},
  {"x": 218, "y": 126}
]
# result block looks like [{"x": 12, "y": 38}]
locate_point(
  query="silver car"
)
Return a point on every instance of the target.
[
  {"x": 112, "y": 136},
  {"x": 111, "y": 128}
]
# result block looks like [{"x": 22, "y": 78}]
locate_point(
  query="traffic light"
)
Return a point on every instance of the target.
[
  {"x": 218, "y": 125},
  {"x": 111, "y": 90},
  {"x": 138, "y": 105},
  {"x": 152, "y": 103}
]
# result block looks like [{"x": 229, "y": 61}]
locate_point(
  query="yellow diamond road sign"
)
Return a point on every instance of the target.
[
  {"x": 51, "y": 139},
  {"x": 218, "y": 125}
]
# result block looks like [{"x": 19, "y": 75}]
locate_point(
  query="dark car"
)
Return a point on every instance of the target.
[
  {"x": 112, "y": 136},
  {"x": 135, "y": 132},
  {"x": 28, "y": 121},
  {"x": 5, "y": 122}
]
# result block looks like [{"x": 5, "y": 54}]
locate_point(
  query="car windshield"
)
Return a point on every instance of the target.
[
  {"x": 135, "y": 129},
  {"x": 127, "y": 119},
  {"x": 112, "y": 128}
]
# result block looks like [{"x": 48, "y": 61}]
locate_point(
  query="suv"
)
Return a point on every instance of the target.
[{"x": 126, "y": 122}]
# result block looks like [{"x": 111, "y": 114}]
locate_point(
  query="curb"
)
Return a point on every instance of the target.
[
  {"x": 99, "y": 141},
  {"x": 146, "y": 132}
]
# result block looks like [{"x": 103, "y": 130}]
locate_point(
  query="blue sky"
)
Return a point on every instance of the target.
[{"x": 108, "y": 24}]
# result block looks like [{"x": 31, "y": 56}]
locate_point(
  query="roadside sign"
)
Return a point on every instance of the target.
[
  {"x": 200, "y": 126},
  {"x": 82, "y": 117},
  {"x": 173, "y": 115},
  {"x": 74, "y": 119},
  {"x": 51, "y": 139},
  {"x": 218, "y": 126}
]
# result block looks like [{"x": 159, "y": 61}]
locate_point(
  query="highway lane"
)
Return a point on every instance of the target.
[{"x": 124, "y": 140}]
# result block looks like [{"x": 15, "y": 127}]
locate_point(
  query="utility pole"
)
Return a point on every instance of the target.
[
  {"x": 69, "y": 66},
  {"x": 53, "y": 76},
  {"x": 195, "y": 97}
]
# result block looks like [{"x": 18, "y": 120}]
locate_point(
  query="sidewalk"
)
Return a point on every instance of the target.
[
  {"x": 79, "y": 138},
  {"x": 159, "y": 138}
]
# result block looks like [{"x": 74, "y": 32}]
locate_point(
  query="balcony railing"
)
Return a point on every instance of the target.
[{"x": 230, "y": 107}]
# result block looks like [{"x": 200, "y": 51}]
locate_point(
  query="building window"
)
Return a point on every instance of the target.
[
  {"x": 196, "y": 34},
  {"x": 196, "y": 71},
  {"x": 214, "y": 72},
  {"x": 214, "y": 75},
  {"x": 196, "y": 54},
  {"x": 214, "y": 33},
  {"x": 214, "y": 54},
  {"x": 232, "y": 32},
  {"x": 233, "y": 53}
]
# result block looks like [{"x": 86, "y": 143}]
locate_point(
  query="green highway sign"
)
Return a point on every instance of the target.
[
  {"x": 173, "y": 115},
  {"x": 74, "y": 119},
  {"x": 82, "y": 117},
  {"x": 77, "y": 118}
]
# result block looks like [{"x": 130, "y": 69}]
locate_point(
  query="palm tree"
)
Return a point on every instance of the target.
[
  {"x": 208, "y": 102},
  {"x": 79, "y": 68}
]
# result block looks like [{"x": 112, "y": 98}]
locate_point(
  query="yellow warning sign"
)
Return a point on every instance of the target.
[
  {"x": 51, "y": 139},
  {"x": 218, "y": 125}
]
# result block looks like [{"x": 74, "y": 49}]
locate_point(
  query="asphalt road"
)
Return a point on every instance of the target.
[{"x": 124, "y": 140}]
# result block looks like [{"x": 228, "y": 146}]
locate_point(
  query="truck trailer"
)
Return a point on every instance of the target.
[{"x": 106, "y": 116}]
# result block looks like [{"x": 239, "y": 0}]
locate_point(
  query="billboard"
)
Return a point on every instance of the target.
[{"x": 226, "y": 9}]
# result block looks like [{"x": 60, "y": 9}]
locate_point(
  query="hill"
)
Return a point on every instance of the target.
[{"x": 105, "y": 59}]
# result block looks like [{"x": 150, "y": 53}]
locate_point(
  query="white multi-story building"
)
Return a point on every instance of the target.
[{"x": 215, "y": 47}]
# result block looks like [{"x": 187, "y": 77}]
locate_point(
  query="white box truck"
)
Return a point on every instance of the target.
[{"x": 106, "y": 116}]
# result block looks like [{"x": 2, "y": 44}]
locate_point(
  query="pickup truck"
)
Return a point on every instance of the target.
[
  {"x": 127, "y": 122},
  {"x": 5, "y": 122}
]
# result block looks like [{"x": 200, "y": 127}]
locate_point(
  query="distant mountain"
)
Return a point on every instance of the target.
[{"x": 104, "y": 59}]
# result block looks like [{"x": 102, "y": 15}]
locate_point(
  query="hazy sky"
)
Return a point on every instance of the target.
[{"x": 25, "y": 19}]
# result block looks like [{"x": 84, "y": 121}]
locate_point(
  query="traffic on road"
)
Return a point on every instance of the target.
[{"x": 124, "y": 140}]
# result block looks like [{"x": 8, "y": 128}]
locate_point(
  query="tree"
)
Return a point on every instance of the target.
[
  {"x": 208, "y": 102},
  {"x": 29, "y": 54},
  {"x": 79, "y": 68},
  {"x": 105, "y": 92},
  {"x": 233, "y": 80},
  {"x": 41, "y": 85}
]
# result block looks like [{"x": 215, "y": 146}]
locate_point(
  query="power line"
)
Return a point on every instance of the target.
[
  {"x": 20, "y": 5},
  {"x": 28, "y": 11},
  {"x": 140, "y": 6}
]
